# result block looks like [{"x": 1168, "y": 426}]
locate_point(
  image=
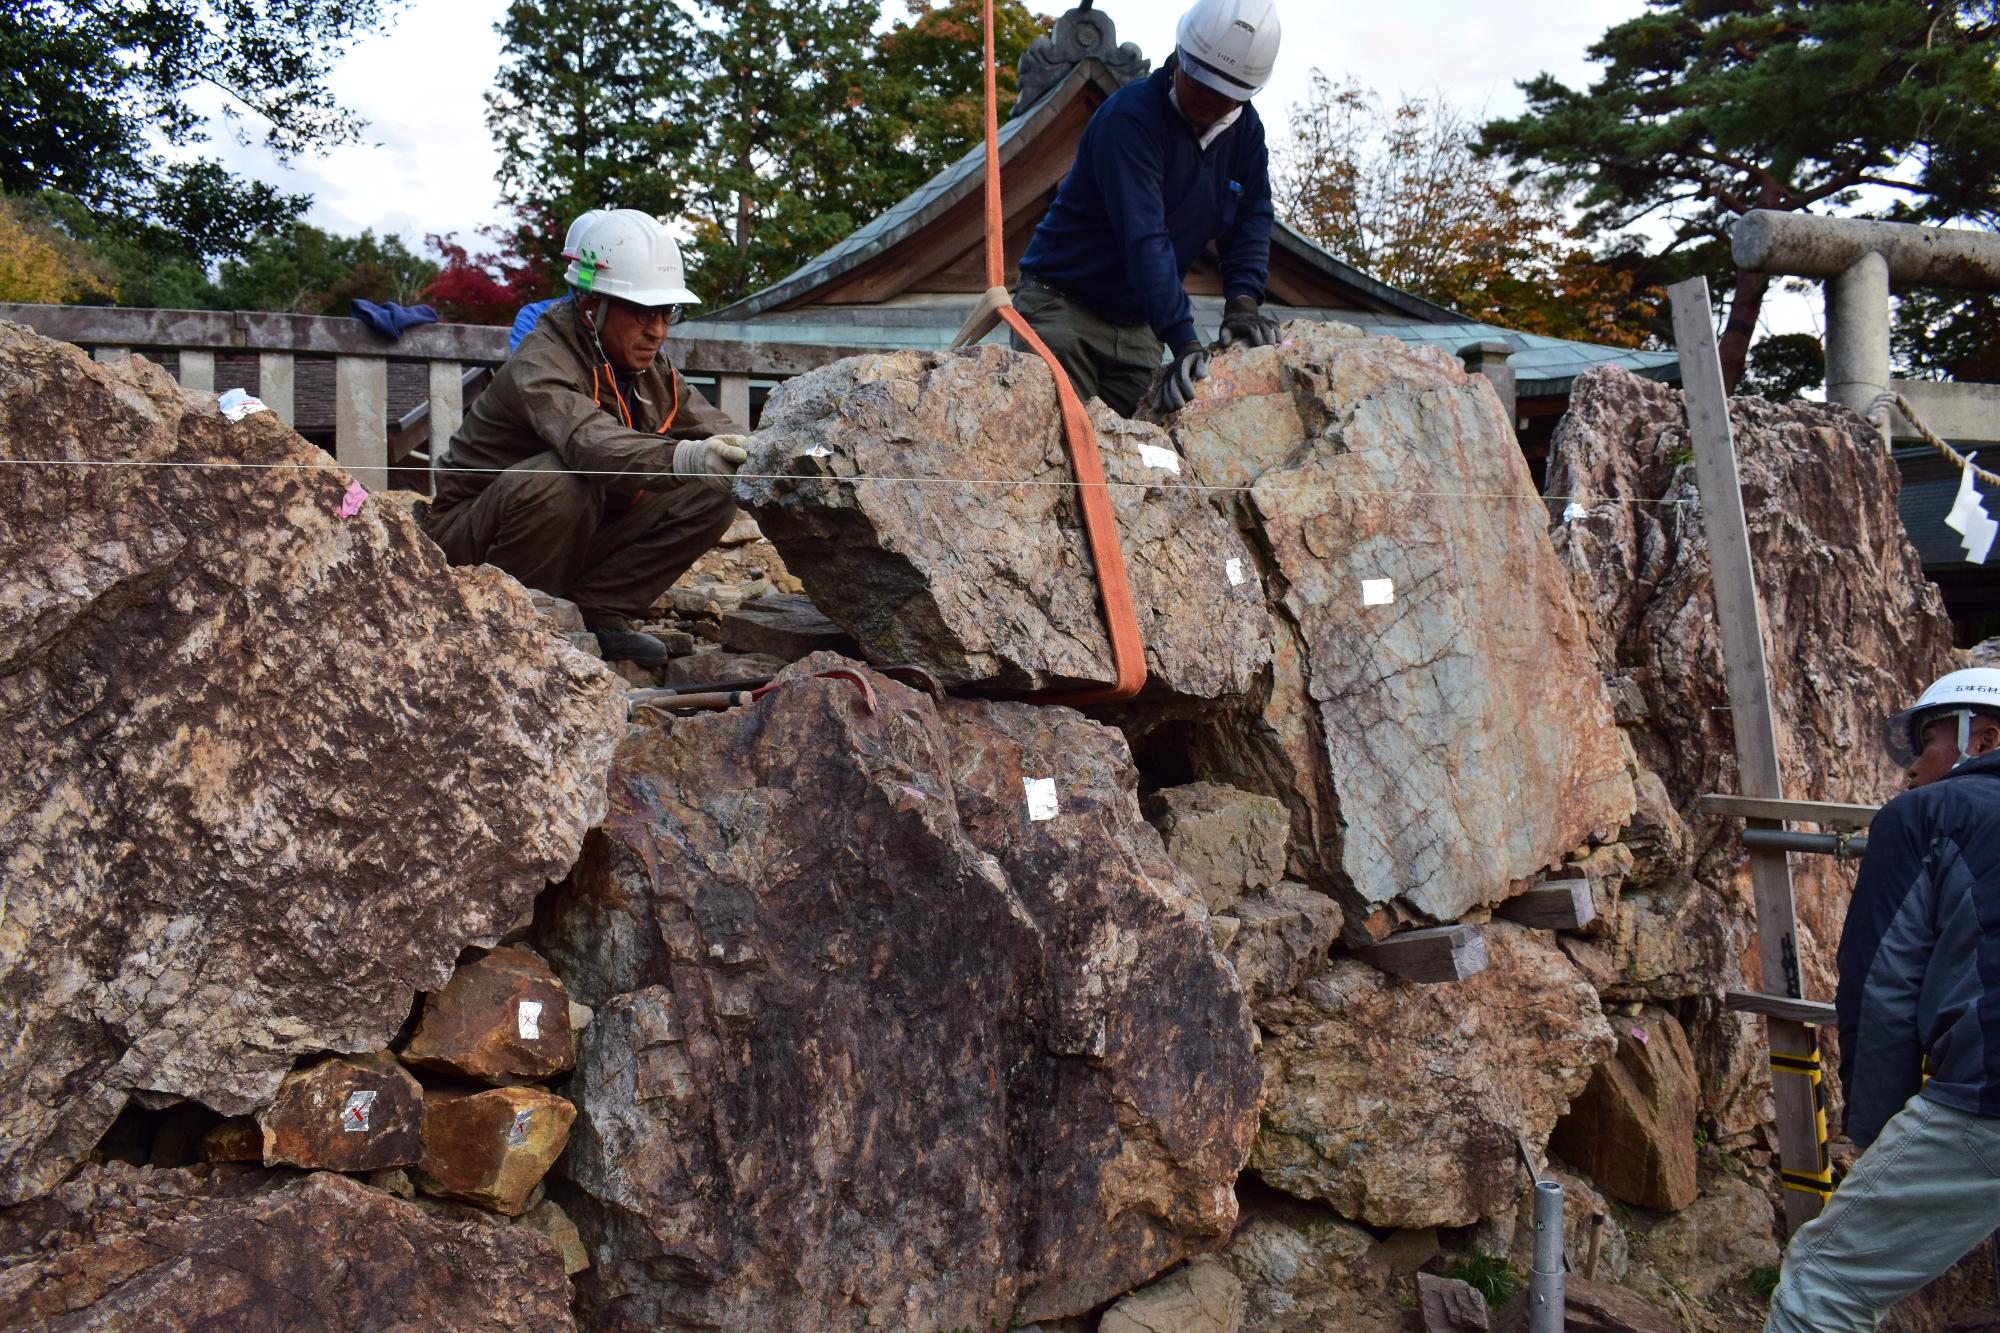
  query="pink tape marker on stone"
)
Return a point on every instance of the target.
[{"x": 351, "y": 503}]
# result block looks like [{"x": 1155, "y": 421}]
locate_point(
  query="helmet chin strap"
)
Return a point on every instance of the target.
[{"x": 1964, "y": 736}]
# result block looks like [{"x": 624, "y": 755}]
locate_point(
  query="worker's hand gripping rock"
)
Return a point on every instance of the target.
[
  {"x": 713, "y": 461},
  {"x": 1244, "y": 323},
  {"x": 1176, "y": 389}
]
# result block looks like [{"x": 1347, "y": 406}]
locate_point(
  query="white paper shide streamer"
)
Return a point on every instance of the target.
[{"x": 1968, "y": 517}]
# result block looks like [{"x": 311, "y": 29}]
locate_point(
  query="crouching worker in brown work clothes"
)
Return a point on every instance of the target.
[{"x": 589, "y": 469}]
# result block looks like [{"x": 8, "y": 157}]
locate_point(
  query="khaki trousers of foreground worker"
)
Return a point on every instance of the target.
[
  {"x": 564, "y": 535},
  {"x": 1918, "y": 1201},
  {"x": 1115, "y": 362}
]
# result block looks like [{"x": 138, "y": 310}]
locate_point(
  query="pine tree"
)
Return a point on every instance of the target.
[{"x": 1707, "y": 109}]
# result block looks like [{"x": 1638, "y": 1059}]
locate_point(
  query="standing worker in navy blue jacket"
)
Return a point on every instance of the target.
[
  {"x": 1166, "y": 167},
  {"x": 1919, "y": 992}
]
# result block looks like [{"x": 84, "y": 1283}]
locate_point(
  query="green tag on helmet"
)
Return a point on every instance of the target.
[{"x": 586, "y": 270}]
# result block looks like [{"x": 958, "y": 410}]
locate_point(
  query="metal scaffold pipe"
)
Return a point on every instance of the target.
[
  {"x": 1839, "y": 845},
  {"x": 1545, "y": 1280}
]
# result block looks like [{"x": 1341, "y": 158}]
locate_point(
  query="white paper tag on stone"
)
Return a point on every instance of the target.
[
  {"x": 236, "y": 405},
  {"x": 1041, "y": 798},
  {"x": 354, "y": 1114},
  {"x": 517, "y": 1133},
  {"x": 528, "y": 1019},
  {"x": 1235, "y": 571},
  {"x": 1378, "y": 592},
  {"x": 819, "y": 451},
  {"x": 1573, "y": 511},
  {"x": 1152, "y": 455}
]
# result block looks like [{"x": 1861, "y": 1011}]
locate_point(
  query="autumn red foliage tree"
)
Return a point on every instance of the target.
[{"x": 488, "y": 287}]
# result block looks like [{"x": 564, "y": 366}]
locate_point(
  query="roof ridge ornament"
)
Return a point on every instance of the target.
[{"x": 1080, "y": 35}]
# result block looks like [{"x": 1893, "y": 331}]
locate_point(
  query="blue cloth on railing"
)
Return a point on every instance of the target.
[{"x": 390, "y": 320}]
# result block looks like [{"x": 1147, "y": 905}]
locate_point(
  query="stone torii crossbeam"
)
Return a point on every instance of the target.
[{"x": 1859, "y": 261}]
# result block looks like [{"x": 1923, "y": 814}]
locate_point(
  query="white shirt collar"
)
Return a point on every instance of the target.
[{"x": 1214, "y": 131}]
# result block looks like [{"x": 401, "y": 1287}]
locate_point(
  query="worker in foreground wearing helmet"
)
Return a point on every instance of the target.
[
  {"x": 531, "y": 314},
  {"x": 1919, "y": 992},
  {"x": 589, "y": 469},
  {"x": 1167, "y": 166}
]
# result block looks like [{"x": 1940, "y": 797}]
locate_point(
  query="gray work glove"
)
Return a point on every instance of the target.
[
  {"x": 1176, "y": 389},
  {"x": 1243, "y": 323},
  {"x": 713, "y": 461}
]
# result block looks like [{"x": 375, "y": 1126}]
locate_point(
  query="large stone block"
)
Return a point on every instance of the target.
[
  {"x": 1853, "y": 630},
  {"x": 264, "y": 770},
  {"x": 928, "y": 503},
  {"x": 903, "y": 1018},
  {"x": 1435, "y": 720},
  {"x": 502, "y": 1018},
  {"x": 1228, "y": 842},
  {"x": 492, "y": 1148},
  {"x": 117, "y": 1249},
  {"x": 362, "y": 1113},
  {"x": 1398, "y": 1103},
  {"x": 1632, "y": 1129}
]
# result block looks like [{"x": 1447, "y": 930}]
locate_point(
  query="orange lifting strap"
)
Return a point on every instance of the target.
[{"x": 1128, "y": 652}]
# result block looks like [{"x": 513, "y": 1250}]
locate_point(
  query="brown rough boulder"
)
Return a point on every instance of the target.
[
  {"x": 1594, "y": 1307},
  {"x": 1852, "y": 628},
  {"x": 492, "y": 1148},
  {"x": 123, "y": 1249},
  {"x": 903, "y": 1015},
  {"x": 502, "y": 1018},
  {"x": 987, "y": 579},
  {"x": 1201, "y": 1297},
  {"x": 1712, "y": 1249},
  {"x": 264, "y": 770},
  {"x": 1229, "y": 842},
  {"x": 1632, "y": 1129},
  {"x": 1435, "y": 721},
  {"x": 361, "y": 1113},
  {"x": 1281, "y": 938},
  {"x": 1305, "y": 1270},
  {"x": 1398, "y": 1103}
]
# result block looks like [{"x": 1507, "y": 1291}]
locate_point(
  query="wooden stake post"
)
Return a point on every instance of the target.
[{"x": 1795, "y": 1064}]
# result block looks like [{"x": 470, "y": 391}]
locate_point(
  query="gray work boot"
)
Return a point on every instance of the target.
[{"x": 629, "y": 645}]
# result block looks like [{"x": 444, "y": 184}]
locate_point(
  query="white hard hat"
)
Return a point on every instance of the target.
[
  {"x": 1975, "y": 689},
  {"x": 629, "y": 255},
  {"x": 573, "y": 239},
  {"x": 1230, "y": 45}
]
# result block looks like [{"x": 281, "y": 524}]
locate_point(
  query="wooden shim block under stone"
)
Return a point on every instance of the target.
[
  {"x": 1815, "y": 1013},
  {"x": 349, "y": 1113},
  {"x": 492, "y": 1148},
  {"x": 783, "y": 625},
  {"x": 1438, "y": 953},
  {"x": 1559, "y": 904}
]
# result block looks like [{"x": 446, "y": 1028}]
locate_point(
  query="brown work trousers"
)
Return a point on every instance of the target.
[
  {"x": 1114, "y": 362},
  {"x": 564, "y": 535}
]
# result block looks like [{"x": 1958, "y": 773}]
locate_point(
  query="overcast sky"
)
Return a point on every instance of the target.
[{"x": 426, "y": 163}]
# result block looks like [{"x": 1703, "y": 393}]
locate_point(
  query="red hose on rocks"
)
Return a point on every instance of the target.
[{"x": 1100, "y": 526}]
